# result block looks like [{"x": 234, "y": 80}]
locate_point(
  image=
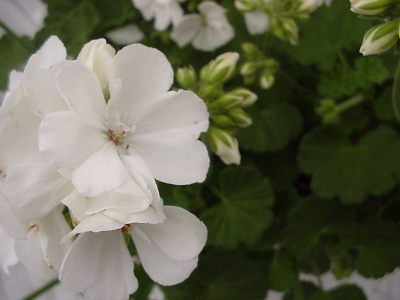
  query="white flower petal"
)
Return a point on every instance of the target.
[
  {"x": 8, "y": 221},
  {"x": 182, "y": 236},
  {"x": 183, "y": 109},
  {"x": 123, "y": 202},
  {"x": 159, "y": 266},
  {"x": 211, "y": 38},
  {"x": 173, "y": 156},
  {"x": 257, "y": 22},
  {"x": 145, "y": 74},
  {"x": 22, "y": 16},
  {"x": 82, "y": 90},
  {"x": 35, "y": 189},
  {"x": 186, "y": 29},
  {"x": 99, "y": 265},
  {"x": 18, "y": 138},
  {"x": 42, "y": 93},
  {"x": 94, "y": 223},
  {"x": 151, "y": 215},
  {"x": 125, "y": 35},
  {"x": 65, "y": 140},
  {"x": 51, "y": 53},
  {"x": 7, "y": 253},
  {"x": 100, "y": 173},
  {"x": 55, "y": 227}
]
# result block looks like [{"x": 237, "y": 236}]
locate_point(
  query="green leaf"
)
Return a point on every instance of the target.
[
  {"x": 383, "y": 106},
  {"x": 345, "y": 291},
  {"x": 244, "y": 212},
  {"x": 378, "y": 246},
  {"x": 350, "y": 169},
  {"x": 282, "y": 272},
  {"x": 308, "y": 221},
  {"x": 346, "y": 81},
  {"x": 396, "y": 92},
  {"x": 222, "y": 276},
  {"x": 320, "y": 44},
  {"x": 272, "y": 128},
  {"x": 14, "y": 53}
]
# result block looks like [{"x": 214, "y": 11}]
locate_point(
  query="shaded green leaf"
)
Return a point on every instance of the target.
[
  {"x": 272, "y": 128},
  {"x": 282, "y": 272},
  {"x": 347, "y": 168},
  {"x": 244, "y": 212}
]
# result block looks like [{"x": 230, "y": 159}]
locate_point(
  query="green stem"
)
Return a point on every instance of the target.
[
  {"x": 42, "y": 290},
  {"x": 298, "y": 291},
  {"x": 349, "y": 103},
  {"x": 27, "y": 46},
  {"x": 217, "y": 193}
]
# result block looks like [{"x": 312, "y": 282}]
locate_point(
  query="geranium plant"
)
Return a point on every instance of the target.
[{"x": 207, "y": 149}]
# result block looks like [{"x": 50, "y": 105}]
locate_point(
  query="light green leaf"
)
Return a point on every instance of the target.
[
  {"x": 272, "y": 128},
  {"x": 244, "y": 212},
  {"x": 350, "y": 168}
]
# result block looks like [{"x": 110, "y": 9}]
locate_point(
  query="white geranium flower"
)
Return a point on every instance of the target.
[
  {"x": 164, "y": 12},
  {"x": 257, "y": 22},
  {"x": 23, "y": 17},
  {"x": 206, "y": 31},
  {"x": 98, "y": 140},
  {"x": 168, "y": 252}
]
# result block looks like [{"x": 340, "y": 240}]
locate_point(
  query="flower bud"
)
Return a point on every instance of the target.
[
  {"x": 267, "y": 79},
  {"x": 245, "y": 5},
  {"x": 97, "y": 55},
  {"x": 286, "y": 29},
  {"x": 370, "y": 7},
  {"x": 186, "y": 77},
  {"x": 222, "y": 121},
  {"x": 248, "y": 68},
  {"x": 240, "y": 117},
  {"x": 221, "y": 69},
  {"x": 224, "y": 145},
  {"x": 247, "y": 96},
  {"x": 380, "y": 38},
  {"x": 251, "y": 51},
  {"x": 308, "y": 6}
]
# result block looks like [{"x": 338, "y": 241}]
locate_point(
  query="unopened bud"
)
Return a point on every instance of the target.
[
  {"x": 224, "y": 145},
  {"x": 370, "y": 7},
  {"x": 380, "y": 38},
  {"x": 248, "y": 68},
  {"x": 247, "y": 96},
  {"x": 186, "y": 77},
  {"x": 308, "y": 6},
  {"x": 222, "y": 121},
  {"x": 266, "y": 80},
  {"x": 221, "y": 69},
  {"x": 245, "y": 5},
  {"x": 251, "y": 51},
  {"x": 240, "y": 117}
]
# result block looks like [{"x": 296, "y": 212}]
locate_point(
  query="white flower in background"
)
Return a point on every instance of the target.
[
  {"x": 100, "y": 266},
  {"x": 99, "y": 141},
  {"x": 23, "y": 17},
  {"x": 309, "y": 6},
  {"x": 257, "y": 22},
  {"x": 125, "y": 35},
  {"x": 164, "y": 12},
  {"x": 206, "y": 31}
]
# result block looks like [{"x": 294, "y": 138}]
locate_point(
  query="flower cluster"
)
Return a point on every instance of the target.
[
  {"x": 226, "y": 108},
  {"x": 82, "y": 144},
  {"x": 279, "y": 17}
]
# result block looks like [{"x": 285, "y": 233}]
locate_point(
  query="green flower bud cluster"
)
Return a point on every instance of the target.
[
  {"x": 381, "y": 37},
  {"x": 226, "y": 108},
  {"x": 257, "y": 67}
]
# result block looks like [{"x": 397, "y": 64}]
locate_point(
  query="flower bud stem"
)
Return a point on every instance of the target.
[{"x": 42, "y": 290}]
